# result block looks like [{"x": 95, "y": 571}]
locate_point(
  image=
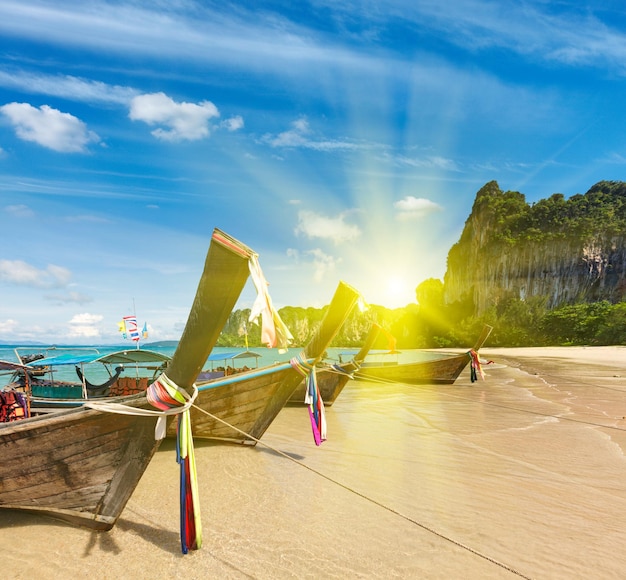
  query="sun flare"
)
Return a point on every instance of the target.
[
  {"x": 397, "y": 291},
  {"x": 395, "y": 286}
]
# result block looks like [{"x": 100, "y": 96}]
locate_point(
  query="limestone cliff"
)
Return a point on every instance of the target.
[{"x": 563, "y": 250}]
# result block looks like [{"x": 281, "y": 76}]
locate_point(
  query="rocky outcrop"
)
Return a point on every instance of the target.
[{"x": 561, "y": 251}]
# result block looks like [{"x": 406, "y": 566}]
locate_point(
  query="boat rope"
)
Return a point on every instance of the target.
[
  {"x": 170, "y": 399},
  {"x": 339, "y": 370},
  {"x": 122, "y": 409},
  {"x": 377, "y": 503}
]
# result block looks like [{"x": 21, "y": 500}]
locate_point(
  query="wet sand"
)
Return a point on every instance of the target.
[{"x": 522, "y": 475}]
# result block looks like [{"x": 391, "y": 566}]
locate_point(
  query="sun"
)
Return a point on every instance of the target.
[{"x": 397, "y": 291}]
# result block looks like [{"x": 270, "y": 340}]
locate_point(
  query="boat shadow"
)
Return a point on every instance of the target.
[
  {"x": 165, "y": 540},
  {"x": 279, "y": 453}
]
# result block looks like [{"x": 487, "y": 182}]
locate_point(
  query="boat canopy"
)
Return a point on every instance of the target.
[
  {"x": 131, "y": 356},
  {"x": 64, "y": 359},
  {"x": 227, "y": 359},
  {"x": 380, "y": 351},
  {"x": 226, "y": 356}
]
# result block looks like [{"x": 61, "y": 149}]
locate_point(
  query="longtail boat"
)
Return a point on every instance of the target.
[
  {"x": 240, "y": 408},
  {"x": 433, "y": 367},
  {"x": 82, "y": 464},
  {"x": 333, "y": 377}
]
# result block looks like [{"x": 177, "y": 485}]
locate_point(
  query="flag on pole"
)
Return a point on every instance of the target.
[
  {"x": 132, "y": 330},
  {"x": 144, "y": 331}
]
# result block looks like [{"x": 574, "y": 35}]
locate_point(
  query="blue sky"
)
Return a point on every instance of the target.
[{"x": 341, "y": 140}]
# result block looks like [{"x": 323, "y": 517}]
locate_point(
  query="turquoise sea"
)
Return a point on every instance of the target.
[
  {"x": 97, "y": 371},
  {"x": 268, "y": 356}
]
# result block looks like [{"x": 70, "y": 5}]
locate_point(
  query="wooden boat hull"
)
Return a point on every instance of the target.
[
  {"x": 443, "y": 370},
  {"x": 244, "y": 405},
  {"x": 439, "y": 368},
  {"x": 331, "y": 379},
  {"x": 77, "y": 465}
]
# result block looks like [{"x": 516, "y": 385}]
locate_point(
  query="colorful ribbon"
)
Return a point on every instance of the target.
[
  {"x": 165, "y": 394},
  {"x": 274, "y": 332},
  {"x": 312, "y": 398},
  {"x": 476, "y": 367}
]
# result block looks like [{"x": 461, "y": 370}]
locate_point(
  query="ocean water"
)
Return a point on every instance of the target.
[
  {"x": 97, "y": 372},
  {"x": 520, "y": 475},
  {"x": 268, "y": 356}
]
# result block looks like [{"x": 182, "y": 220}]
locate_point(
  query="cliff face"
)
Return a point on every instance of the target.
[{"x": 564, "y": 251}]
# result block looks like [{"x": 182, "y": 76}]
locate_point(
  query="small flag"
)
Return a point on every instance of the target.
[
  {"x": 131, "y": 327},
  {"x": 144, "y": 331}
]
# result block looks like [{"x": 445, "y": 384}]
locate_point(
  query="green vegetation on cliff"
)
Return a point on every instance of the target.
[{"x": 512, "y": 220}]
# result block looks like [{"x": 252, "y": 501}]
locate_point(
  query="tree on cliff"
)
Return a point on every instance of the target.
[{"x": 515, "y": 262}]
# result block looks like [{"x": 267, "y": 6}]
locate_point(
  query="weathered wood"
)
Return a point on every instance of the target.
[
  {"x": 79, "y": 465},
  {"x": 225, "y": 273}
]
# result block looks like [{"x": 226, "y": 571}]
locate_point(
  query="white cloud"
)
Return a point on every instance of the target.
[
  {"x": 70, "y": 298},
  {"x": 67, "y": 87},
  {"x": 314, "y": 225},
  {"x": 297, "y": 137},
  {"x": 429, "y": 162},
  {"x": 412, "y": 208},
  {"x": 323, "y": 264},
  {"x": 178, "y": 121},
  {"x": 49, "y": 127},
  {"x": 8, "y": 326},
  {"x": 233, "y": 124},
  {"x": 19, "y": 210},
  {"x": 23, "y": 274},
  {"x": 86, "y": 318},
  {"x": 84, "y": 325}
]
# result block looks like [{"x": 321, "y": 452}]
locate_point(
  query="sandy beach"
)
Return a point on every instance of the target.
[{"x": 522, "y": 475}]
